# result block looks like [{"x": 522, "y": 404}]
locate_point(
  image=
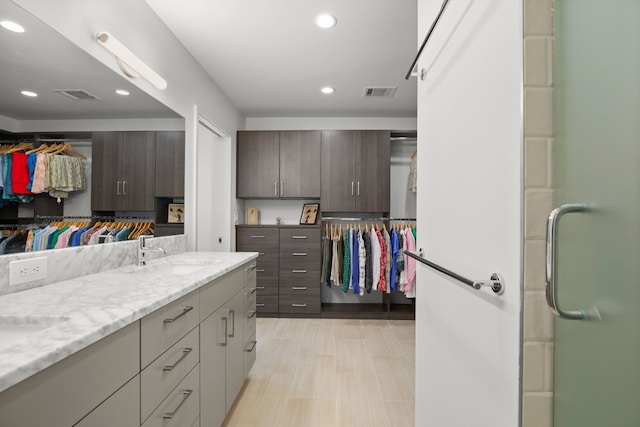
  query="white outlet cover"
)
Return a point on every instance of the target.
[{"x": 27, "y": 270}]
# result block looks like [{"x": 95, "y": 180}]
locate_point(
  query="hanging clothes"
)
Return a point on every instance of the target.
[{"x": 413, "y": 172}]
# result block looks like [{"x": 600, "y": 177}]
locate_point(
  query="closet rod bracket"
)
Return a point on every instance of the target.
[{"x": 495, "y": 282}]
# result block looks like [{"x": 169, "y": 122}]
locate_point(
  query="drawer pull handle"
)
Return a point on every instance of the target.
[
  {"x": 258, "y": 237},
  {"x": 224, "y": 333},
  {"x": 298, "y": 305},
  {"x": 253, "y": 290},
  {"x": 185, "y": 310},
  {"x": 299, "y": 237},
  {"x": 259, "y": 305},
  {"x": 253, "y": 346},
  {"x": 298, "y": 271},
  {"x": 260, "y": 253},
  {"x": 260, "y": 287},
  {"x": 185, "y": 353},
  {"x": 252, "y": 315},
  {"x": 232, "y": 313},
  {"x": 185, "y": 396},
  {"x": 299, "y": 254},
  {"x": 299, "y": 288},
  {"x": 261, "y": 270},
  {"x": 252, "y": 268}
]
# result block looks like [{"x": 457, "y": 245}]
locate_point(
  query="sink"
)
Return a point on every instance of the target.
[{"x": 16, "y": 329}]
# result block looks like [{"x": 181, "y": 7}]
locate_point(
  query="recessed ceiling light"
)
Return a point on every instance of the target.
[
  {"x": 122, "y": 92},
  {"x": 325, "y": 20},
  {"x": 29, "y": 93},
  {"x": 327, "y": 90},
  {"x": 12, "y": 26}
]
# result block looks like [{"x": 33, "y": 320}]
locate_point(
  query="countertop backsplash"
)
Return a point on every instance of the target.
[{"x": 68, "y": 263}]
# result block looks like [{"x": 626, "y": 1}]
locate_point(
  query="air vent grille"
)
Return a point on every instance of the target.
[
  {"x": 379, "y": 91},
  {"x": 76, "y": 94}
]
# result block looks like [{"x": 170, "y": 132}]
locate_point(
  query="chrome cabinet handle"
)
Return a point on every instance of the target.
[
  {"x": 352, "y": 188},
  {"x": 252, "y": 268},
  {"x": 358, "y": 189},
  {"x": 118, "y": 192},
  {"x": 252, "y": 291},
  {"x": 259, "y": 305},
  {"x": 298, "y": 271},
  {"x": 261, "y": 270},
  {"x": 185, "y": 353},
  {"x": 260, "y": 287},
  {"x": 124, "y": 188},
  {"x": 258, "y": 237},
  {"x": 275, "y": 188},
  {"x": 299, "y": 254},
  {"x": 185, "y": 310},
  {"x": 253, "y": 346},
  {"x": 232, "y": 313},
  {"x": 252, "y": 314},
  {"x": 282, "y": 189},
  {"x": 226, "y": 326},
  {"x": 299, "y": 237},
  {"x": 299, "y": 288},
  {"x": 185, "y": 396},
  {"x": 298, "y": 305},
  {"x": 551, "y": 262}
]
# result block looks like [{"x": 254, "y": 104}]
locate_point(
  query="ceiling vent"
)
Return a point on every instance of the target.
[
  {"x": 76, "y": 94},
  {"x": 379, "y": 91}
]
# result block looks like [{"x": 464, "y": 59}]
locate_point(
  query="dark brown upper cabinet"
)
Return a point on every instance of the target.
[
  {"x": 169, "y": 180},
  {"x": 355, "y": 171},
  {"x": 123, "y": 171},
  {"x": 273, "y": 164}
]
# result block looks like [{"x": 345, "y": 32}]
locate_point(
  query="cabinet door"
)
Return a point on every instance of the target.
[
  {"x": 300, "y": 164},
  {"x": 258, "y": 165},
  {"x": 106, "y": 185},
  {"x": 169, "y": 164},
  {"x": 138, "y": 162},
  {"x": 338, "y": 171},
  {"x": 235, "y": 348},
  {"x": 121, "y": 409},
  {"x": 213, "y": 351},
  {"x": 372, "y": 159}
]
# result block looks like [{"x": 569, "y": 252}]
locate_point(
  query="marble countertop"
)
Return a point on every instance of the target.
[{"x": 44, "y": 325}]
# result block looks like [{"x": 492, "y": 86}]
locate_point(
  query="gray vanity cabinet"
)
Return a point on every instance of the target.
[
  {"x": 123, "y": 171},
  {"x": 63, "y": 394},
  {"x": 221, "y": 346}
]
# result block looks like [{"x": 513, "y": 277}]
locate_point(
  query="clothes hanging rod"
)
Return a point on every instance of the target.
[
  {"x": 495, "y": 282},
  {"x": 426, "y": 40},
  {"x": 62, "y": 140},
  {"x": 94, "y": 217},
  {"x": 382, "y": 218}
]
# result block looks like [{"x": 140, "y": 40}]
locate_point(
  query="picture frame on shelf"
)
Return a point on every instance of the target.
[
  {"x": 309, "y": 214},
  {"x": 176, "y": 213}
]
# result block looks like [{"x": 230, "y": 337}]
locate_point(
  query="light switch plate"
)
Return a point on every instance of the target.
[{"x": 27, "y": 270}]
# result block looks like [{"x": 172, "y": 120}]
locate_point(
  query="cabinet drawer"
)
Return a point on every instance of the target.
[
  {"x": 214, "y": 295},
  {"x": 250, "y": 350},
  {"x": 267, "y": 266},
  {"x": 300, "y": 258},
  {"x": 299, "y": 275},
  {"x": 250, "y": 322},
  {"x": 259, "y": 237},
  {"x": 296, "y": 236},
  {"x": 250, "y": 298},
  {"x": 300, "y": 290},
  {"x": 267, "y": 287},
  {"x": 121, "y": 409},
  {"x": 164, "y": 327},
  {"x": 300, "y": 303},
  {"x": 268, "y": 304},
  {"x": 159, "y": 378},
  {"x": 182, "y": 407}
]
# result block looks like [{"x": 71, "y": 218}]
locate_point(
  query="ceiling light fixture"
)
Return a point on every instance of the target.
[
  {"x": 29, "y": 93},
  {"x": 325, "y": 20},
  {"x": 122, "y": 92},
  {"x": 12, "y": 26},
  {"x": 327, "y": 90},
  {"x": 129, "y": 63}
]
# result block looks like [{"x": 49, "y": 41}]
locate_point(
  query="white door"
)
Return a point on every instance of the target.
[
  {"x": 213, "y": 198},
  {"x": 469, "y": 214}
]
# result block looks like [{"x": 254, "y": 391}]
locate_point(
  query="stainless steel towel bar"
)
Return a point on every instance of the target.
[
  {"x": 426, "y": 40},
  {"x": 495, "y": 282}
]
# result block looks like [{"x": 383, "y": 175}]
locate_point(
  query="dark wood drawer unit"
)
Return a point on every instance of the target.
[
  {"x": 268, "y": 304},
  {"x": 265, "y": 241},
  {"x": 300, "y": 264}
]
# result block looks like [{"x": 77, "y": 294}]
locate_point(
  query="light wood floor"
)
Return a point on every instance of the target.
[{"x": 325, "y": 372}]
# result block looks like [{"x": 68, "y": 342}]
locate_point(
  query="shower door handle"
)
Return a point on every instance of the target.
[{"x": 551, "y": 262}]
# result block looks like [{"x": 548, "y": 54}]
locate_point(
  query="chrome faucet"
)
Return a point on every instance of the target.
[{"x": 143, "y": 249}]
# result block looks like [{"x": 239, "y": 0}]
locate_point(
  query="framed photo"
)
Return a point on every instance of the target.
[
  {"x": 309, "y": 213},
  {"x": 176, "y": 213}
]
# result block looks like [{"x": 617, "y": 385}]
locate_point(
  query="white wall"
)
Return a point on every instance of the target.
[
  {"x": 330, "y": 123},
  {"x": 136, "y": 25},
  {"x": 469, "y": 213}
]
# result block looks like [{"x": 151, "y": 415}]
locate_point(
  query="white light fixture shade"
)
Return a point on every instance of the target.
[
  {"x": 29, "y": 93},
  {"x": 122, "y": 92},
  {"x": 327, "y": 90},
  {"x": 12, "y": 26},
  {"x": 129, "y": 63},
  {"x": 326, "y": 21}
]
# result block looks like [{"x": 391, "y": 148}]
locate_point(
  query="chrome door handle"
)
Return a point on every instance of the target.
[
  {"x": 124, "y": 188},
  {"x": 185, "y": 396},
  {"x": 118, "y": 192},
  {"x": 275, "y": 188},
  {"x": 551, "y": 258},
  {"x": 232, "y": 313},
  {"x": 224, "y": 333},
  {"x": 282, "y": 189},
  {"x": 185, "y": 353},
  {"x": 358, "y": 189},
  {"x": 352, "y": 188},
  {"x": 184, "y": 311}
]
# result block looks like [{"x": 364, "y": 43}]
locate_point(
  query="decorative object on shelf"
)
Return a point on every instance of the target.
[
  {"x": 278, "y": 219},
  {"x": 252, "y": 216},
  {"x": 176, "y": 213},
  {"x": 309, "y": 213}
]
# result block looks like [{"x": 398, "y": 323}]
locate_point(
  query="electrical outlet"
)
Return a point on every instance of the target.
[{"x": 27, "y": 270}]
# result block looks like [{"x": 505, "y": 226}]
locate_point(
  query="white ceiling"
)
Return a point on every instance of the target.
[
  {"x": 266, "y": 55},
  {"x": 271, "y": 60}
]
